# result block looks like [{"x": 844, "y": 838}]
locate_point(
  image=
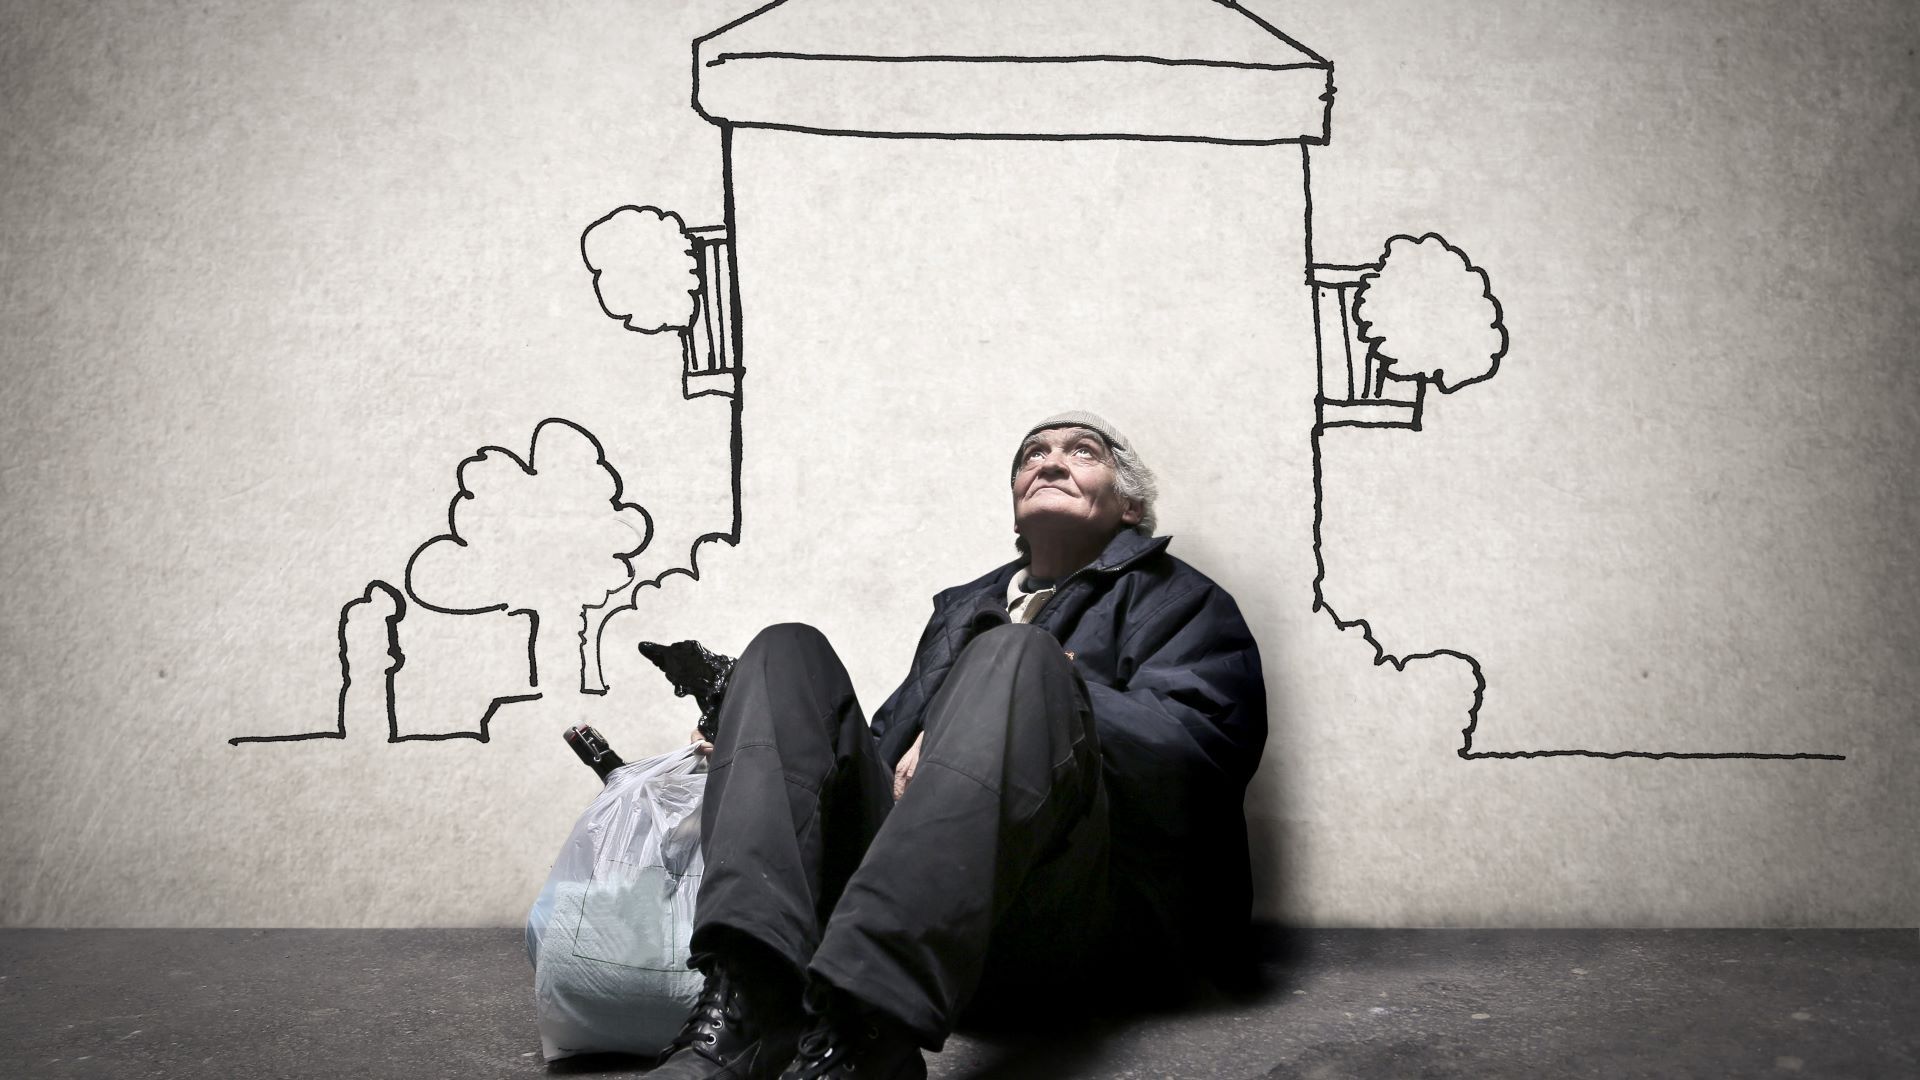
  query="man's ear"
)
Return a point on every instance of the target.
[{"x": 1133, "y": 513}]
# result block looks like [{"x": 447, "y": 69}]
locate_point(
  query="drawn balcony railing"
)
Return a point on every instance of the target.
[
  {"x": 710, "y": 345},
  {"x": 1355, "y": 389}
]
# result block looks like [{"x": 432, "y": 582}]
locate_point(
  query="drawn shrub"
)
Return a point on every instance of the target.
[
  {"x": 1429, "y": 313},
  {"x": 549, "y": 535},
  {"x": 644, "y": 271}
]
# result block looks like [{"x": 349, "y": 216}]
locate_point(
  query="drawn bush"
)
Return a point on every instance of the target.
[
  {"x": 1428, "y": 313},
  {"x": 644, "y": 271},
  {"x": 549, "y": 535}
]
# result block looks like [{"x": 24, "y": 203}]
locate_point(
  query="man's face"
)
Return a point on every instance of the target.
[{"x": 1065, "y": 487}]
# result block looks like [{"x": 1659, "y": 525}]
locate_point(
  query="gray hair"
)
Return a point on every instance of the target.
[{"x": 1132, "y": 480}]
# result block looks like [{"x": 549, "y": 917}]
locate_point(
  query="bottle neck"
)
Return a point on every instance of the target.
[{"x": 592, "y": 749}]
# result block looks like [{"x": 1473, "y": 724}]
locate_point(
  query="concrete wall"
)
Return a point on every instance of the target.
[{"x": 272, "y": 273}]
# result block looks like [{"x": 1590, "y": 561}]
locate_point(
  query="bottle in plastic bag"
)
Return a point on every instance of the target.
[{"x": 608, "y": 934}]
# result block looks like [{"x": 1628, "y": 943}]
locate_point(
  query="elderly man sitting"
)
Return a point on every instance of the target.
[{"x": 1052, "y": 798}]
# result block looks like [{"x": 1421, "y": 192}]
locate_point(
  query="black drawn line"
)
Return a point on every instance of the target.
[
  {"x": 640, "y": 248},
  {"x": 1326, "y": 97},
  {"x": 648, "y": 311},
  {"x": 719, "y": 372},
  {"x": 1354, "y": 364},
  {"x": 1413, "y": 425},
  {"x": 533, "y": 633},
  {"x": 713, "y": 347},
  {"x": 1078, "y": 136},
  {"x": 1234, "y": 6},
  {"x": 716, "y": 370},
  {"x": 397, "y": 659},
  {"x": 1433, "y": 266},
  {"x": 1381, "y": 657},
  {"x": 530, "y": 467},
  {"x": 238, "y": 740},
  {"x": 648, "y": 249},
  {"x": 942, "y": 58},
  {"x": 1313, "y": 61},
  {"x": 481, "y": 735},
  {"x": 748, "y": 17},
  {"x": 1356, "y": 278},
  {"x": 1385, "y": 369},
  {"x": 1346, "y": 342},
  {"x": 729, "y": 536},
  {"x": 394, "y": 654},
  {"x": 1650, "y": 756}
]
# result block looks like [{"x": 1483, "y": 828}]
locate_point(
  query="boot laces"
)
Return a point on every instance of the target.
[
  {"x": 717, "y": 1005},
  {"x": 834, "y": 1044}
]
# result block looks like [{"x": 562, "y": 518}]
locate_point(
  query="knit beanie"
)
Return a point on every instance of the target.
[{"x": 1075, "y": 418}]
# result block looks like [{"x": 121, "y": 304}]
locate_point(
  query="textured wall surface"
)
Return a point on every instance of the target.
[{"x": 268, "y": 274}]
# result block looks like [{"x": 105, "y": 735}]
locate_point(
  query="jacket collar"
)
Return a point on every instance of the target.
[
  {"x": 1126, "y": 548},
  {"x": 1121, "y": 553}
]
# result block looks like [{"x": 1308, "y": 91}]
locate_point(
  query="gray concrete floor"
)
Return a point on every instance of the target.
[{"x": 1344, "y": 1003}]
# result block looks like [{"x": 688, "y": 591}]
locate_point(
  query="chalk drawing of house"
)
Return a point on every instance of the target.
[{"x": 939, "y": 214}]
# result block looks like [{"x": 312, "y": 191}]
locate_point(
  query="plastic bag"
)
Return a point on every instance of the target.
[{"x": 608, "y": 933}]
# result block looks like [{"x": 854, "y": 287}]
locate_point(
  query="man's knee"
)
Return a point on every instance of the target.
[
  {"x": 1013, "y": 639},
  {"x": 788, "y": 638},
  {"x": 1016, "y": 655},
  {"x": 787, "y": 663}
]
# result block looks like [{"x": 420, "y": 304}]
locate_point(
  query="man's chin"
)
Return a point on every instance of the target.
[{"x": 1061, "y": 525}]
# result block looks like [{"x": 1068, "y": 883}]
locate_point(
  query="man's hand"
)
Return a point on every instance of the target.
[
  {"x": 706, "y": 748},
  {"x": 903, "y": 772}
]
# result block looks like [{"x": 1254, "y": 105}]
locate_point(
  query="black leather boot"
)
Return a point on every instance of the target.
[
  {"x": 847, "y": 1040},
  {"x": 745, "y": 1026}
]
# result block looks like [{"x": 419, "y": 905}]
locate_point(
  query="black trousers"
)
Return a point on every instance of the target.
[{"x": 985, "y": 884}]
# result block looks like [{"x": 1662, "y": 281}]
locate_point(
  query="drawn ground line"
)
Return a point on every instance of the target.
[{"x": 399, "y": 658}]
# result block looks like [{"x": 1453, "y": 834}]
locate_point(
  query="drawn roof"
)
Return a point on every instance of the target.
[{"x": 1205, "y": 70}]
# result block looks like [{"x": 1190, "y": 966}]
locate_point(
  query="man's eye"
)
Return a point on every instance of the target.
[{"x": 1084, "y": 451}]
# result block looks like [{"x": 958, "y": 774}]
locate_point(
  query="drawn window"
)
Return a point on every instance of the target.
[
  {"x": 1355, "y": 391},
  {"x": 710, "y": 346}
]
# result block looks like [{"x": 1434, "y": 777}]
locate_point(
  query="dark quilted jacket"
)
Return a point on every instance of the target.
[{"x": 1181, "y": 709}]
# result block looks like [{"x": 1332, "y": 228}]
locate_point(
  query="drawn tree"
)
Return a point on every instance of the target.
[
  {"x": 644, "y": 270},
  {"x": 548, "y": 535},
  {"x": 1428, "y": 313}
]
